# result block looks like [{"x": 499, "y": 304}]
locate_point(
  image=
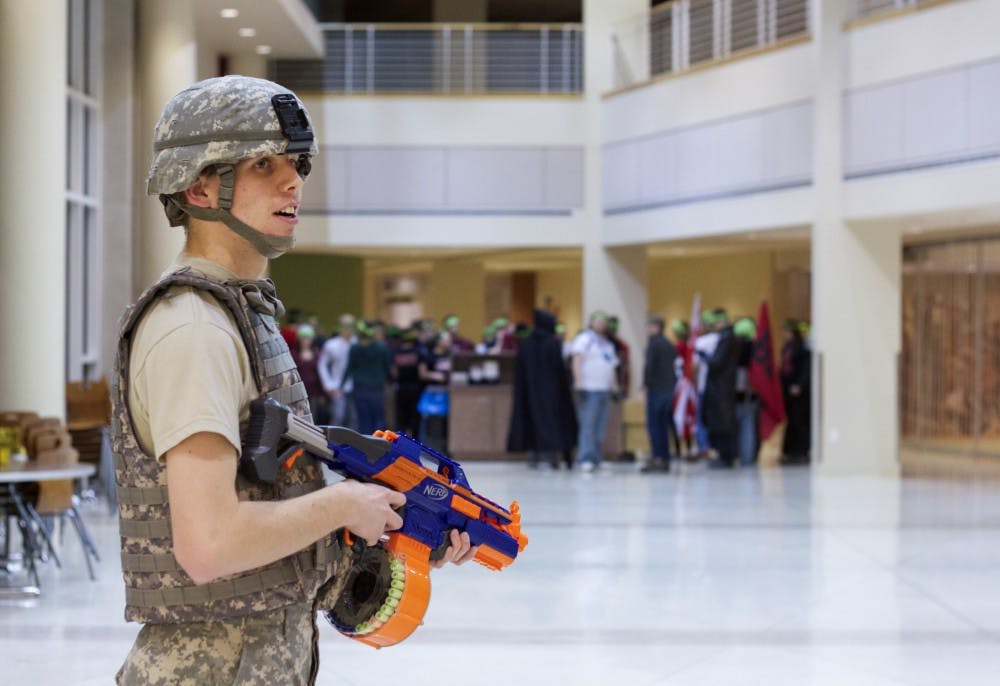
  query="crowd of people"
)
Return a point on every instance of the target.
[{"x": 703, "y": 399}]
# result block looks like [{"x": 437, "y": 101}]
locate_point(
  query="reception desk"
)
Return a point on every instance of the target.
[
  {"x": 480, "y": 418},
  {"x": 478, "y": 422}
]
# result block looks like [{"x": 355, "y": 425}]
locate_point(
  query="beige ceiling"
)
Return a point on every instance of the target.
[{"x": 286, "y": 25}]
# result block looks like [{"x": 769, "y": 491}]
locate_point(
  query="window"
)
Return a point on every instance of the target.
[{"x": 83, "y": 130}]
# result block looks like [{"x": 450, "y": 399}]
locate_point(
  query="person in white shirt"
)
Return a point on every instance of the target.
[
  {"x": 332, "y": 364},
  {"x": 594, "y": 381},
  {"x": 704, "y": 348}
]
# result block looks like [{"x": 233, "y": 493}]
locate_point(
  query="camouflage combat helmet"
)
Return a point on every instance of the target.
[{"x": 219, "y": 122}]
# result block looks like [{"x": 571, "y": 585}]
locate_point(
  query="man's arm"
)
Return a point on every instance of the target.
[{"x": 216, "y": 534}]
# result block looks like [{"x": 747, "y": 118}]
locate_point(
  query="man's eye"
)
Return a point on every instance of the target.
[{"x": 262, "y": 163}]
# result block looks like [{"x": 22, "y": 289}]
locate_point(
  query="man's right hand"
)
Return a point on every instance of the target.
[{"x": 369, "y": 509}]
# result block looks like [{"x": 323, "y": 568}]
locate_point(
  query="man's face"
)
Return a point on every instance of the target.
[
  {"x": 267, "y": 194},
  {"x": 600, "y": 325}
]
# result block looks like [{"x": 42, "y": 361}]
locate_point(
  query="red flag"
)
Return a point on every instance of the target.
[{"x": 764, "y": 377}]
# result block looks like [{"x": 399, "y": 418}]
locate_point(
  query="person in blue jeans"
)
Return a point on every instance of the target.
[
  {"x": 369, "y": 366},
  {"x": 594, "y": 381},
  {"x": 659, "y": 378}
]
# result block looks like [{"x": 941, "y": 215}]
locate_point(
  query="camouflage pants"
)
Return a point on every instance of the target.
[{"x": 271, "y": 648}]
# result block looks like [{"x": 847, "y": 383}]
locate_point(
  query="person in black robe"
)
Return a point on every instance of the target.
[
  {"x": 543, "y": 420},
  {"x": 719, "y": 398},
  {"x": 796, "y": 375}
]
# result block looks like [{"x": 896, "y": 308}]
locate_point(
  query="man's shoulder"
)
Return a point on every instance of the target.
[{"x": 179, "y": 308}]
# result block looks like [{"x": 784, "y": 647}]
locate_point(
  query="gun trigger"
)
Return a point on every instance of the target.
[{"x": 289, "y": 460}]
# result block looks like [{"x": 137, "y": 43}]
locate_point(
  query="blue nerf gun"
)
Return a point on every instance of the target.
[{"x": 388, "y": 588}]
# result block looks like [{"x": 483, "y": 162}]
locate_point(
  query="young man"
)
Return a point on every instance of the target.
[
  {"x": 659, "y": 379},
  {"x": 225, "y": 574},
  {"x": 594, "y": 380},
  {"x": 332, "y": 364}
]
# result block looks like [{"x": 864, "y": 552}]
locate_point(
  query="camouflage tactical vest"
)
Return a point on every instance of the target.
[{"x": 156, "y": 588}]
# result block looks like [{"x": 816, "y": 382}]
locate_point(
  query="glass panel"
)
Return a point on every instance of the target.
[
  {"x": 74, "y": 290},
  {"x": 701, "y": 30},
  {"x": 661, "y": 42},
  {"x": 86, "y": 46},
  {"x": 989, "y": 375},
  {"x": 745, "y": 27},
  {"x": 943, "y": 373},
  {"x": 791, "y": 18}
]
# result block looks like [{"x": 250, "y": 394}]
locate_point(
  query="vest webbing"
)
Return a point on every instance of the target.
[{"x": 156, "y": 587}]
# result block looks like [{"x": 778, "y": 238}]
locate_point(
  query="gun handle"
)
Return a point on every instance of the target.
[{"x": 259, "y": 456}]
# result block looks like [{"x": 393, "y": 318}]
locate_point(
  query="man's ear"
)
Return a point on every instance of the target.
[{"x": 203, "y": 193}]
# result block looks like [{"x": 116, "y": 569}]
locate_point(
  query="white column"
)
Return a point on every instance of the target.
[
  {"x": 168, "y": 62},
  {"x": 856, "y": 292},
  {"x": 32, "y": 195},
  {"x": 613, "y": 279}
]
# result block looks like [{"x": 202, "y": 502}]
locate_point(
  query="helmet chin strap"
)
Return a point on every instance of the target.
[{"x": 268, "y": 246}]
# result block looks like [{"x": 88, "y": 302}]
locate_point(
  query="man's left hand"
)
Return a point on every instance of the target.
[{"x": 460, "y": 551}]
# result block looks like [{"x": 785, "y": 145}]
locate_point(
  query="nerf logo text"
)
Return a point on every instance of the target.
[{"x": 435, "y": 491}]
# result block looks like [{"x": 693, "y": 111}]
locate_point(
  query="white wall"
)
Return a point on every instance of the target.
[
  {"x": 756, "y": 83},
  {"x": 790, "y": 208},
  {"x": 440, "y": 171},
  {"x": 438, "y": 231},
  {"x": 944, "y": 117},
  {"x": 940, "y": 37},
  {"x": 447, "y": 121},
  {"x": 751, "y": 152},
  {"x": 445, "y": 179}
]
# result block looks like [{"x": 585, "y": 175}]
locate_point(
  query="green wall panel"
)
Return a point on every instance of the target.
[{"x": 324, "y": 285}]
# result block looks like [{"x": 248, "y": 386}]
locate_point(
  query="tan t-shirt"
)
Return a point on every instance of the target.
[{"x": 189, "y": 369}]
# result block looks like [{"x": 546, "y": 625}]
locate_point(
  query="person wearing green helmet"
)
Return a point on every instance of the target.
[
  {"x": 332, "y": 363},
  {"x": 225, "y": 574},
  {"x": 369, "y": 367},
  {"x": 459, "y": 343},
  {"x": 719, "y": 397},
  {"x": 594, "y": 380}
]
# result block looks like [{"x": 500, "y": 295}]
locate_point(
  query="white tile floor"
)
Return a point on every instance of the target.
[{"x": 751, "y": 577}]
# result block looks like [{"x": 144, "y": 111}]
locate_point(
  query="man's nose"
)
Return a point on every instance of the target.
[{"x": 290, "y": 173}]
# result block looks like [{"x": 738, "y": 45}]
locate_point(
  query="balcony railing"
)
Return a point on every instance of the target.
[
  {"x": 676, "y": 36},
  {"x": 442, "y": 59}
]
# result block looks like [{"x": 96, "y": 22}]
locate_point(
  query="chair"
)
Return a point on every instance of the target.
[
  {"x": 56, "y": 498},
  {"x": 49, "y": 443},
  {"x": 88, "y": 415}
]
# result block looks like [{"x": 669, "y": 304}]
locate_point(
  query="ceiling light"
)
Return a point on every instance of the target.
[
  {"x": 263, "y": 49},
  {"x": 229, "y": 13},
  {"x": 247, "y": 32}
]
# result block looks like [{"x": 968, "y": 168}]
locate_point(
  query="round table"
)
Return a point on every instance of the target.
[
  {"x": 16, "y": 472},
  {"x": 20, "y": 472}
]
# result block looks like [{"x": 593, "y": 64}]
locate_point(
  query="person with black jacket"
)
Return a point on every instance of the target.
[
  {"x": 796, "y": 375},
  {"x": 659, "y": 378}
]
